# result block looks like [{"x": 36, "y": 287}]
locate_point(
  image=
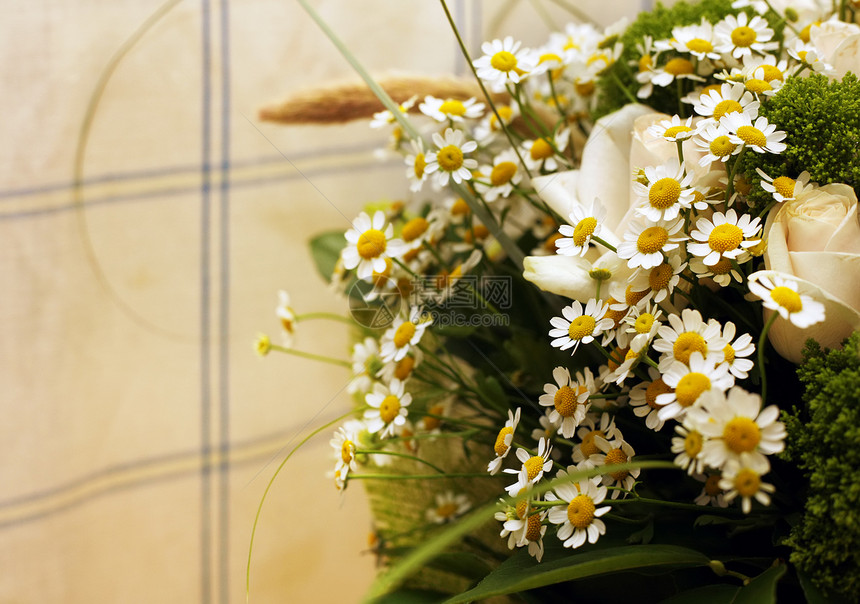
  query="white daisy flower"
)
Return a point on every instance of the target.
[
  {"x": 455, "y": 110},
  {"x": 667, "y": 192},
  {"x": 488, "y": 129},
  {"x": 698, "y": 40},
  {"x": 449, "y": 506},
  {"x": 781, "y": 295},
  {"x": 771, "y": 69},
  {"x": 690, "y": 383},
  {"x": 388, "y": 408},
  {"x": 523, "y": 526},
  {"x": 808, "y": 56},
  {"x": 579, "y": 325},
  {"x": 735, "y": 351},
  {"x": 711, "y": 493},
  {"x": 417, "y": 162},
  {"x": 730, "y": 98},
  {"x": 757, "y": 83},
  {"x": 784, "y": 188},
  {"x": 592, "y": 428},
  {"x": 533, "y": 467},
  {"x": 761, "y": 136},
  {"x": 673, "y": 130},
  {"x": 643, "y": 399},
  {"x": 677, "y": 68},
  {"x": 287, "y": 317},
  {"x": 450, "y": 161},
  {"x": 742, "y": 477},
  {"x": 600, "y": 60},
  {"x": 403, "y": 334},
  {"x": 344, "y": 444},
  {"x": 568, "y": 398},
  {"x": 580, "y": 519},
  {"x": 369, "y": 243},
  {"x": 741, "y": 35},
  {"x": 614, "y": 452},
  {"x": 504, "y": 175},
  {"x": 402, "y": 369},
  {"x": 504, "y": 440},
  {"x": 645, "y": 243},
  {"x": 735, "y": 423},
  {"x": 365, "y": 364},
  {"x": 386, "y": 118},
  {"x": 714, "y": 140},
  {"x": 688, "y": 446},
  {"x": 687, "y": 334},
  {"x": 540, "y": 153},
  {"x": 648, "y": 56},
  {"x": 723, "y": 236},
  {"x": 504, "y": 62},
  {"x": 660, "y": 282},
  {"x": 643, "y": 323},
  {"x": 585, "y": 222}
]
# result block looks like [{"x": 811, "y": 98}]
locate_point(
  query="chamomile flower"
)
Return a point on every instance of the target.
[
  {"x": 489, "y": 128},
  {"x": 644, "y": 322},
  {"x": 344, "y": 444},
  {"x": 677, "y": 68},
  {"x": 524, "y": 526},
  {"x": 617, "y": 451},
  {"x": 287, "y": 316},
  {"x": 504, "y": 62},
  {"x": 729, "y": 98},
  {"x": 784, "y": 188},
  {"x": 592, "y": 429},
  {"x": 585, "y": 223},
  {"x": 780, "y": 294},
  {"x": 697, "y": 40},
  {"x": 388, "y": 408},
  {"x": 568, "y": 398},
  {"x": 723, "y": 236},
  {"x": 533, "y": 467},
  {"x": 455, "y": 110},
  {"x": 809, "y": 56},
  {"x": 546, "y": 430},
  {"x": 369, "y": 243},
  {"x": 761, "y": 136},
  {"x": 673, "y": 130},
  {"x": 503, "y": 176},
  {"x": 688, "y": 334},
  {"x": 667, "y": 192},
  {"x": 690, "y": 382},
  {"x": 660, "y": 282},
  {"x": 643, "y": 399},
  {"x": 756, "y": 83},
  {"x": 742, "y": 478},
  {"x": 736, "y": 350},
  {"x": 417, "y": 162},
  {"x": 504, "y": 440},
  {"x": 645, "y": 243},
  {"x": 579, "y": 324},
  {"x": 648, "y": 56},
  {"x": 448, "y": 506},
  {"x": 402, "y": 369},
  {"x": 735, "y": 424},
  {"x": 722, "y": 273},
  {"x": 714, "y": 140},
  {"x": 365, "y": 364},
  {"x": 711, "y": 493},
  {"x": 386, "y": 118},
  {"x": 600, "y": 60},
  {"x": 580, "y": 519},
  {"x": 404, "y": 334},
  {"x": 540, "y": 153},
  {"x": 688, "y": 446},
  {"x": 739, "y": 35},
  {"x": 449, "y": 161}
]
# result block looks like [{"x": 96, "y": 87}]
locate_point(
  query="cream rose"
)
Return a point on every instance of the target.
[
  {"x": 839, "y": 45},
  {"x": 816, "y": 239}
]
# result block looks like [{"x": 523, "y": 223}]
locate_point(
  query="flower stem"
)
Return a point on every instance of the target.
[
  {"x": 312, "y": 356},
  {"x": 608, "y": 246},
  {"x": 308, "y": 316},
  {"x": 398, "y": 454},
  {"x": 416, "y": 476}
]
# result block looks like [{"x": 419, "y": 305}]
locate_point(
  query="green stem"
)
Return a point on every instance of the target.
[
  {"x": 309, "y": 316},
  {"x": 623, "y": 88},
  {"x": 608, "y": 246},
  {"x": 312, "y": 356},
  {"x": 415, "y": 476},
  {"x": 762, "y": 342},
  {"x": 398, "y": 454},
  {"x": 730, "y": 187}
]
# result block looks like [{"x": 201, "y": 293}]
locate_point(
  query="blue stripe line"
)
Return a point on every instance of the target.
[
  {"x": 224, "y": 364},
  {"x": 370, "y": 166},
  {"x": 205, "y": 394}
]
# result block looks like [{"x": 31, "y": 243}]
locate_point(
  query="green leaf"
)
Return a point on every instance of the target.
[
  {"x": 325, "y": 249},
  {"x": 522, "y": 572},
  {"x": 710, "y": 594},
  {"x": 464, "y": 564},
  {"x": 813, "y": 594},
  {"x": 762, "y": 589},
  {"x": 411, "y": 596}
]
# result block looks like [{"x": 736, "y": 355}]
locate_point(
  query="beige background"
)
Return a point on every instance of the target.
[{"x": 138, "y": 428}]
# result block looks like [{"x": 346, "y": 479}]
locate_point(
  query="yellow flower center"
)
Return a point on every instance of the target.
[
  {"x": 581, "y": 327},
  {"x": 747, "y": 483},
  {"x": 741, "y": 435},
  {"x": 453, "y": 107},
  {"x": 287, "y": 324},
  {"x": 346, "y": 450},
  {"x": 700, "y": 45},
  {"x": 541, "y": 149},
  {"x": 688, "y": 343},
  {"x": 446, "y": 510},
  {"x": 675, "y": 131},
  {"x": 583, "y": 230},
  {"x": 389, "y": 408},
  {"x": 664, "y": 193},
  {"x": 500, "y": 447},
  {"x": 430, "y": 422},
  {"x": 549, "y": 243},
  {"x": 616, "y": 357},
  {"x": 503, "y": 61},
  {"x": 565, "y": 400},
  {"x": 413, "y": 229},
  {"x": 460, "y": 208},
  {"x": 502, "y": 173},
  {"x": 533, "y": 528},
  {"x": 616, "y": 456},
  {"x": 771, "y": 73},
  {"x": 584, "y": 88},
  {"x": 644, "y": 323},
  {"x": 580, "y": 511},
  {"x": 450, "y": 158},
  {"x": 805, "y": 32},
  {"x": 784, "y": 186},
  {"x": 652, "y": 240},
  {"x": 632, "y": 298},
  {"x": 725, "y": 107},
  {"x": 787, "y": 298},
  {"x": 371, "y": 244},
  {"x": 588, "y": 447},
  {"x": 534, "y": 466},
  {"x": 379, "y": 279},
  {"x": 645, "y": 63},
  {"x": 679, "y": 66},
  {"x": 757, "y": 86},
  {"x": 420, "y": 164},
  {"x": 743, "y": 36},
  {"x": 725, "y": 237},
  {"x": 722, "y": 146},
  {"x": 690, "y": 387},
  {"x": 655, "y": 389},
  {"x": 549, "y": 56},
  {"x": 693, "y": 444},
  {"x": 404, "y": 334},
  {"x": 659, "y": 277},
  {"x": 722, "y": 267},
  {"x": 729, "y": 353},
  {"x": 712, "y": 485},
  {"x": 752, "y": 136},
  {"x": 522, "y": 508}
]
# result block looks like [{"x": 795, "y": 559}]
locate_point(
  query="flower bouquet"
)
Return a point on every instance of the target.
[{"x": 605, "y": 346}]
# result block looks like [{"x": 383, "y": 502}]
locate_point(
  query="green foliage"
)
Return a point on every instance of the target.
[
  {"x": 657, "y": 24},
  {"x": 822, "y": 119},
  {"x": 823, "y": 440},
  {"x": 325, "y": 249}
]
